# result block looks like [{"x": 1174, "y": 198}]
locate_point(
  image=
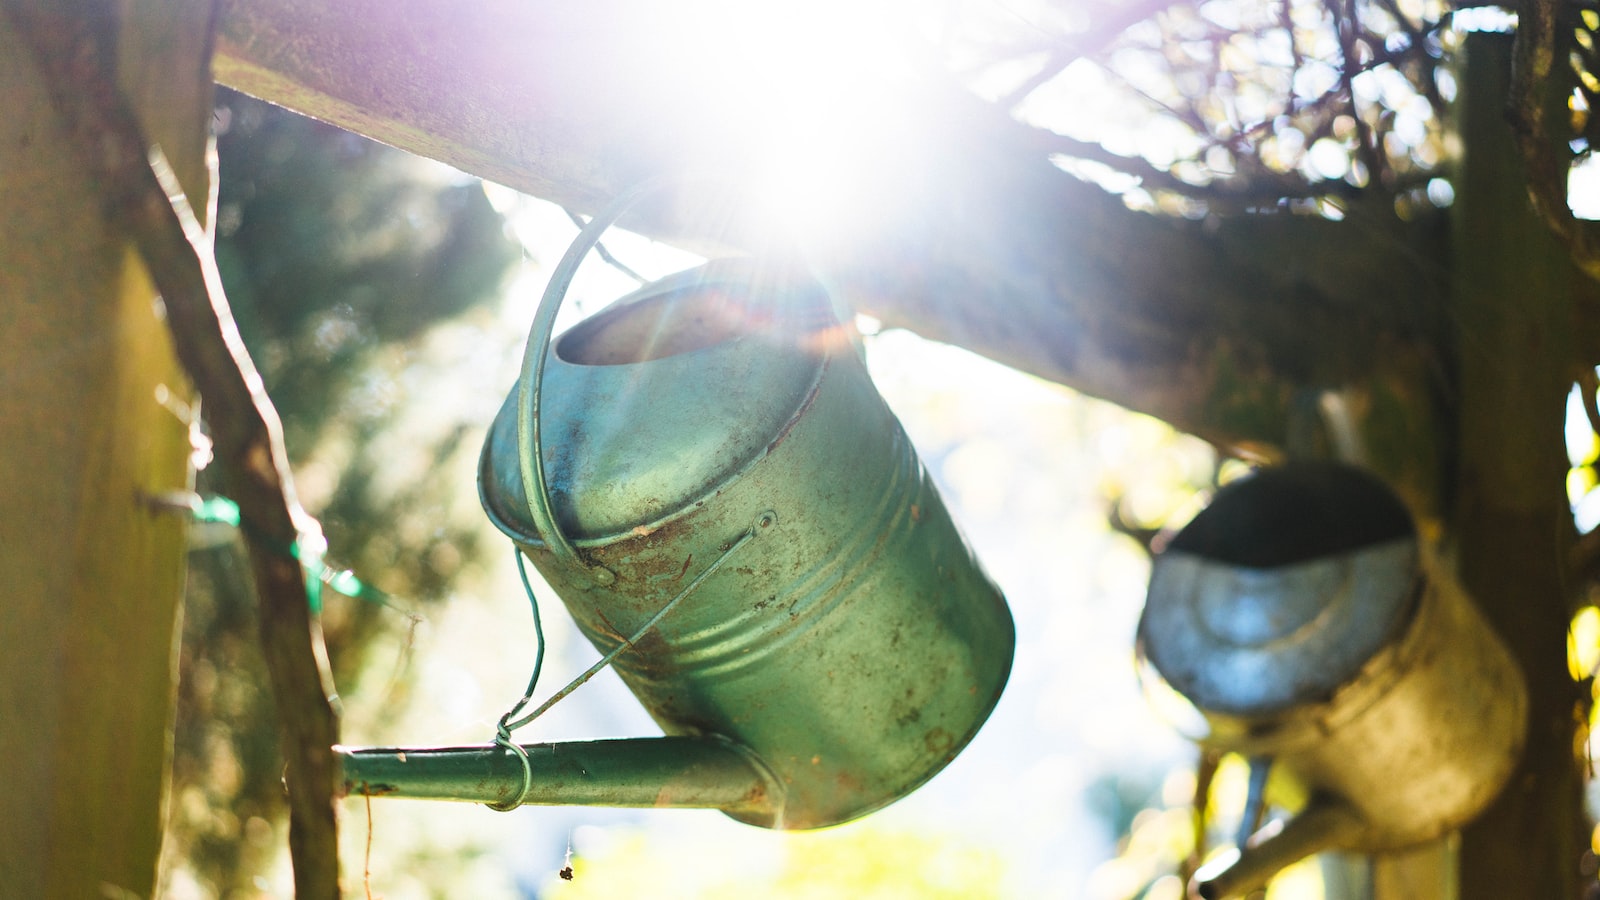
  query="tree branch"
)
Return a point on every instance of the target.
[
  {"x": 1346, "y": 27},
  {"x": 604, "y": 253},
  {"x": 1087, "y": 43},
  {"x": 1264, "y": 189},
  {"x": 981, "y": 242},
  {"x": 247, "y": 437},
  {"x": 1529, "y": 104}
]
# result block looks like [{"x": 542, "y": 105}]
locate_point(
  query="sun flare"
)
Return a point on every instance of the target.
[{"x": 806, "y": 92}]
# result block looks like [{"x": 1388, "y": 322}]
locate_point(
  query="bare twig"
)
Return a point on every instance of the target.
[
  {"x": 1346, "y": 27},
  {"x": 1532, "y": 65},
  {"x": 603, "y": 253},
  {"x": 1286, "y": 20},
  {"x": 1250, "y": 192},
  {"x": 1054, "y": 65},
  {"x": 1088, "y": 43},
  {"x": 1074, "y": 47},
  {"x": 366, "y": 866},
  {"x": 1412, "y": 29},
  {"x": 1200, "y": 811},
  {"x": 142, "y": 200}
]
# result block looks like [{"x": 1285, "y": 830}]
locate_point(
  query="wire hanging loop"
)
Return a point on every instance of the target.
[
  {"x": 530, "y": 383},
  {"x": 502, "y": 738},
  {"x": 505, "y": 727},
  {"x": 502, "y": 731}
]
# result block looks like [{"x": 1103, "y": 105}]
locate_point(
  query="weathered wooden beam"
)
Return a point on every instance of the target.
[
  {"x": 93, "y": 410},
  {"x": 1513, "y": 528},
  {"x": 965, "y": 232}
]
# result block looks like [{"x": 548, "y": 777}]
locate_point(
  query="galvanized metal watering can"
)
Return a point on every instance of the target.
[
  {"x": 706, "y": 466},
  {"x": 1303, "y": 617}
]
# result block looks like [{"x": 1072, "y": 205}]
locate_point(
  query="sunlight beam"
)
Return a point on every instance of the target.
[{"x": 808, "y": 92}]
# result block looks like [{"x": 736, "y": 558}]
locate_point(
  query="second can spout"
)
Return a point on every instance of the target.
[{"x": 1325, "y": 823}]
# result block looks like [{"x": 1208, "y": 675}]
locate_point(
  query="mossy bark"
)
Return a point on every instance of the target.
[
  {"x": 1513, "y": 303},
  {"x": 93, "y": 422}
]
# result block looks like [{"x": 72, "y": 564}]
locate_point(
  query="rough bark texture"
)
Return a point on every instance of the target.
[
  {"x": 91, "y": 572},
  {"x": 1514, "y": 307}
]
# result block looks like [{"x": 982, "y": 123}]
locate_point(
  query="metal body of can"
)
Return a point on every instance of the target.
[
  {"x": 724, "y": 417},
  {"x": 1364, "y": 671}
]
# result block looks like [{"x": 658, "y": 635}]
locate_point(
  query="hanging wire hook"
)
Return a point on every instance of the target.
[
  {"x": 505, "y": 726},
  {"x": 765, "y": 520},
  {"x": 538, "y": 638},
  {"x": 502, "y": 731},
  {"x": 502, "y": 738}
]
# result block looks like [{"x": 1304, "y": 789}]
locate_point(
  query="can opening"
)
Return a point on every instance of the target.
[{"x": 671, "y": 323}]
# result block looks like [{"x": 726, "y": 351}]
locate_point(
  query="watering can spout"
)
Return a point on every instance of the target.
[
  {"x": 1325, "y": 823},
  {"x": 668, "y": 772}
]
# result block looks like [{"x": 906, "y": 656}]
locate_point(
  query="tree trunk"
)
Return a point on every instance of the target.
[
  {"x": 1514, "y": 308},
  {"x": 94, "y": 422}
]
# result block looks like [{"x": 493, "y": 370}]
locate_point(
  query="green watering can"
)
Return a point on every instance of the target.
[{"x": 706, "y": 475}]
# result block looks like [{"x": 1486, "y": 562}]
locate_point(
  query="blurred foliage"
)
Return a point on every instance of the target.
[
  {"x": 338, "y": 255},
  {"x": 1583, "y": 630},
  {"x": 1191, "y": 821},
  {"x": 1584, "y": 59},
  {"x": 857, "y": 861}
]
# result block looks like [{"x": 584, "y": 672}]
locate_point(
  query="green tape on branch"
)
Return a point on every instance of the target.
[
  {"x": 220, "y": 510},
  {"x": 345, "y": 582},
  {"x": 217, "y": 509}
]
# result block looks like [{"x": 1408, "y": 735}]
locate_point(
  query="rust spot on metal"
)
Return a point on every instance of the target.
[
  {"x": 648, "y": 551},
  {"x": 652, "y": 657},
  {"x": 686, "y": 561},
  {"x": 367, "y": 789},
  {"x": 611, "y": 630}
]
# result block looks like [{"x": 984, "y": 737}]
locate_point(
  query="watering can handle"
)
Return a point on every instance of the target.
[{"x": 531, "y": 382}]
